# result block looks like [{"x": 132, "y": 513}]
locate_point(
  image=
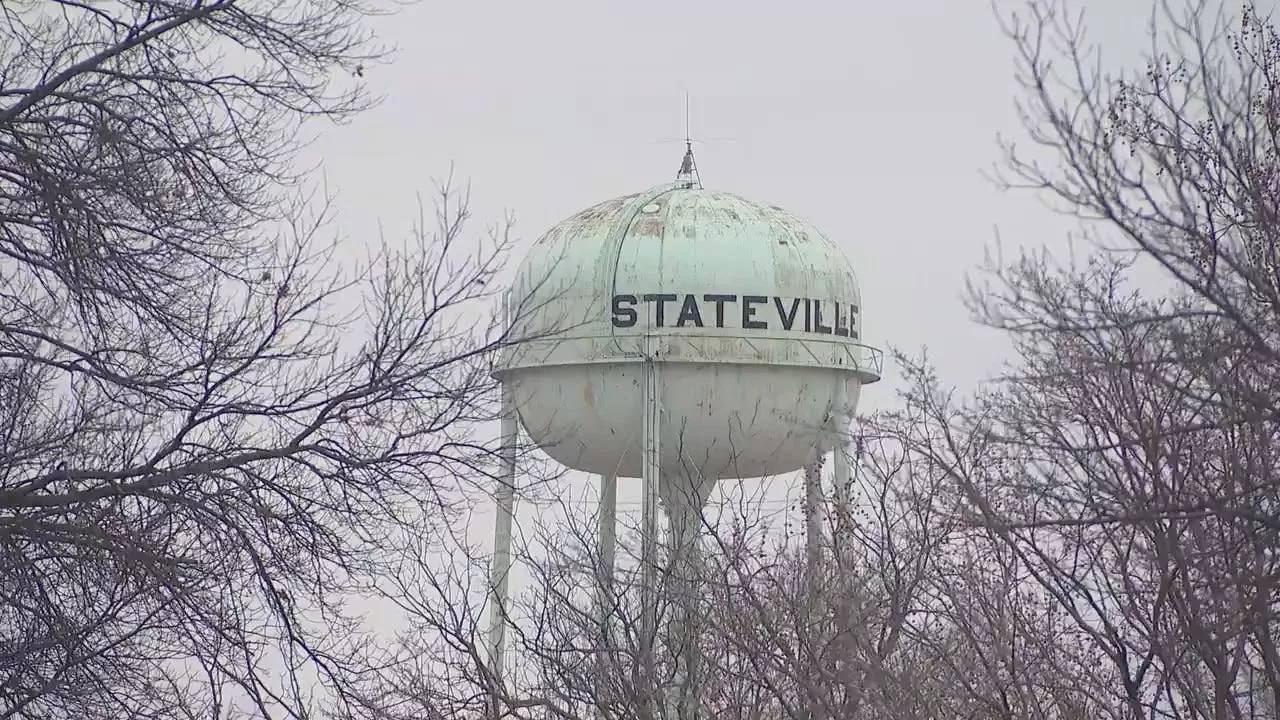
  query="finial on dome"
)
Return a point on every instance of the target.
[{"x": 688, "y": 176}]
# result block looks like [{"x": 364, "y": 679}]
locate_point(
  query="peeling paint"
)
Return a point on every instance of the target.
[
  {"x": 648, "y": 226},
  {"x": 687, "y": 240}
]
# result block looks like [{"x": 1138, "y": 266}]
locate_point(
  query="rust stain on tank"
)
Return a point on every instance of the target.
[
  {"x": 788, "y": 276},
  {"x": 602, "y": 211},
  {"x": 588, "y": 395},
  {"x": 650, "y": 225}
]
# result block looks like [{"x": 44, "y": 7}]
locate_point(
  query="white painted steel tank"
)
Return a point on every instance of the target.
[{"x": 753, "y": 314}]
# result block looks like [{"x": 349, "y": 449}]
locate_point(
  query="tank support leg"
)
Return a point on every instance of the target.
[
  {"x": 649, "y": 468},
  {"x": 505, "y": 496},
  {"x": 841, "y": 456},
  {"x": 684, "y": 498},
  {"x": 608, "y": 548},
  {"x": 604, "y": 584},
  {"x": 813, "y": 520}
]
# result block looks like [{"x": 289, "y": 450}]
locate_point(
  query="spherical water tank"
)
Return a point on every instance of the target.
[{"x": 752, "y": 315}]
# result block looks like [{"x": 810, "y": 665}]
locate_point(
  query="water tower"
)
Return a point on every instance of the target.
[{"x": 681, "y": 336}]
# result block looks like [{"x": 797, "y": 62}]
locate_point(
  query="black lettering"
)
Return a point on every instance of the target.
[
  {"x": 689, "y": 312},
  {"x": 626, "y": 315},
  {"x": 788, "y": 319},
  {"x": 624, "y": 311},
  {"x": 749, "y": 311},
  {"x": 841, "y": 329},
  {"x": 818, "y": 327},
  {"x": 719, "y": 300},
  {"x": 660, "y": 314}
]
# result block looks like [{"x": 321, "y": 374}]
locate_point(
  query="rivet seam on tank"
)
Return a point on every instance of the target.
[{"x": 617, "y": 237}]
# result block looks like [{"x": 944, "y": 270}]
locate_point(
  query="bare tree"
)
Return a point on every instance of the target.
[
  {"x": 908, "y": 619},
  {"x": 1073, "y": 465},
  {"x": 216, "y": 425},
  {"x": 1126, "y": 459}
]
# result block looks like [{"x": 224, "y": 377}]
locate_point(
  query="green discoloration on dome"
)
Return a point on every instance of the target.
[{"x": 681, "y": 239}]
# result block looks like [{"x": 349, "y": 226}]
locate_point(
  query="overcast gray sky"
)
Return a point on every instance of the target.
[{"x": 871, "y": 119}]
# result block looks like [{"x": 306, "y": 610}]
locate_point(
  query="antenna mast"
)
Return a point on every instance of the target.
[{"x": 688, "y": 177}]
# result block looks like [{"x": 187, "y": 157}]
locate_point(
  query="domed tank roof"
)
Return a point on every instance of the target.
[
  {"x": 734, "y": 280},
  {"x": 728, "y": 235}
]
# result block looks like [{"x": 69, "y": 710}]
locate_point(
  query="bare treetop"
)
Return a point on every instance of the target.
[
  {"x": 212, "y": 433},
  {"x": 144, "y": 143}
]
